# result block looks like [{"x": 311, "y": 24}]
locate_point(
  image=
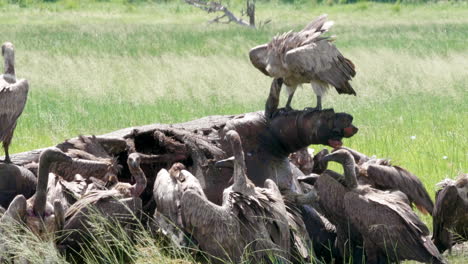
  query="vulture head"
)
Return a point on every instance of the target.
[
  {"x": 133, "y": 162},
  {"x": 8, "y": 52}
]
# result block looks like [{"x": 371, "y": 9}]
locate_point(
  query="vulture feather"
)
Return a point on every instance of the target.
[
  {"x": 305, "y": 57},
  {"x": 450, "y": 216},
  {"x": 391, "y": 231}
]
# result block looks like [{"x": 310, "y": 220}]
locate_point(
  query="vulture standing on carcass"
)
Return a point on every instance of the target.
[
  {"x": 251, "y": 222},
  {"x": 391, "y": 231},
  {"x": 39, "y": 215},
  {"x": 450, "y": 216},
  {"x": 13, "y": 96},
  {"x": 120, "y": 203},
  {"x": 305, "y": 57},
  {"x": 380, "y": 174}
]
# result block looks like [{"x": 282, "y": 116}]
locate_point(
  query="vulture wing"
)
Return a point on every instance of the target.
[
  {"x": 447, "y": 201},
  {"x": 331, "y": 194},
  {"x": 12, "y": 101},
  {"x": 389, "y": 223},
  {"x": 258, "y": 57},
  {"x": 213, "y": 226},
  {"x": 397, "y": 178},
  {"x": 278, "y": 222},
  {"x": 320, "y": 60},
  {"x": 166, "y": 195}
]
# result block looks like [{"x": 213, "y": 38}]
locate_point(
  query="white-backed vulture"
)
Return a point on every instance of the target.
[
  {"x": 391, "y": 231},
  {"x": 251, "y": 222},
  {"x": 167, "y": 196},
  {"x": 305, "y": 57},
  {"x": 382, "y": 175},
  {"x": 450, "y": 216},
  {"x": 39, "y": 215},
  {"x": 331, "y": 189},
  {"x": 13, "y": 96}
]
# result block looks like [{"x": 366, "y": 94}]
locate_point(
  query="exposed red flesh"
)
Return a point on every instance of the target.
[{"x": 335, "y": 143}]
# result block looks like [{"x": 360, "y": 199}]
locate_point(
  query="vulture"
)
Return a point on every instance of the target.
[
  {"x": 382, "y": 175},
  {"x": 450, "y": 216},
  {"x": 390, "y": 230},
  {"x": 121, "y": 203},
  {"x": 42, "y": 217},
  {"x": 13, "y": 96},
  {"x": 305, "y": 57},
  {"x": 251, "y": 222},
  {"x": 166, "y": 194},
  {"x": 331, "y": 189}
]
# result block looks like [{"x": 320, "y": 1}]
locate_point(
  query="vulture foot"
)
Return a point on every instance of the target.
[
  {"x": 7, "y": 160},
  {"x": 316, "y": 108}
]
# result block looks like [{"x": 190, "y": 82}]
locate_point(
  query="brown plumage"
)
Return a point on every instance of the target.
[
  {"x": 100, "y": 164},
  {"x": 305, "y": 57},
  {"x": 250, "y": 219},
  {"x": 167, "y": 191},
  {"x": 119, "y": 204},
  {"x": 39, "y": 215},
  {"x": 13, "y": 96},
  {"x": 382, "y": 175},
  {"x": 15, "y": 180},
  {"x": 450, "y": 217},
  {"x": 118, "y": 191},
  {"x": 391, "y": 231},
  {"x": 332, "y": 188},
  {"x": 67, "y": 190}
]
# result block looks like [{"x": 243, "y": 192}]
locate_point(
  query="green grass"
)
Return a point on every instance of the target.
[{"x": 97, "y": 67}]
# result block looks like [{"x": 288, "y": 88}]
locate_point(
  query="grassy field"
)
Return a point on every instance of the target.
[{"x": 98, "y": 67}]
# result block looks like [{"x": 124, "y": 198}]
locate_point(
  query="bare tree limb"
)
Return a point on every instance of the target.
[{"x": 213, "y": 7}]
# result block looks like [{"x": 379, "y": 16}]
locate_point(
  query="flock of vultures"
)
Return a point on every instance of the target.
[{"x": 240, "y": 188}]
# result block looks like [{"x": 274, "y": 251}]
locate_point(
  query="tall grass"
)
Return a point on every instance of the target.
[{"x": 98, "y": 67}]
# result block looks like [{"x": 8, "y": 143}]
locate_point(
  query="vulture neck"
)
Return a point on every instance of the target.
[
  {"x": 140, "y": 180},
  {"x": 41, "y": 190},
  {"x": 9, "y": 74},
  {"x": 350, "y": 172},
  {"x": 241, "y": 182}
]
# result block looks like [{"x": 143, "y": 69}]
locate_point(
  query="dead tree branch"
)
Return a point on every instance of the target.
[{"x": 227, "y": 16}]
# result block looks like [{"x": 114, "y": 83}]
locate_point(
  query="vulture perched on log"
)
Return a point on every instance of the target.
[
  {"x": 305, "y": 57},
  {"x": 391, "y": 231},
  {"x": 450, "y": 217},
  {"x": 13, "y": 95}
]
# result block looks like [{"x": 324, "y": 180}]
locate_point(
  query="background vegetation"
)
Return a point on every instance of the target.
[{"x": 94, "y": 67}]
